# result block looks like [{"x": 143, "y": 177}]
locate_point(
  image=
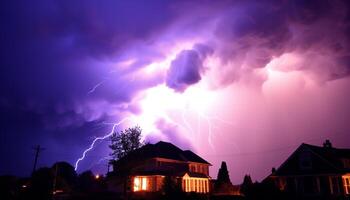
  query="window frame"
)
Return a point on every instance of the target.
[
  {"x": 346, "y": 184},
  {"x": 142, "y": 184}
]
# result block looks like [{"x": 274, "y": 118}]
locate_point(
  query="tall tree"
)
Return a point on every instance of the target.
[
  {"x": 124, "y": 142},
  {"x": 223, "y": 176}
]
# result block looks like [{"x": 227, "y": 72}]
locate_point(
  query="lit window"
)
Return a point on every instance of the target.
[
  {"x": 199, "y": 185},
  {"x": 346, "y": 180},
  {"x": 140, "y": 184},
  {"x": 144, "y": 184}
]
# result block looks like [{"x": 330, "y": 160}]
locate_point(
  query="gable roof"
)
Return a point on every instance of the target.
[
  {"x": 194, "y": 157},
  {"x": 162, "y": 150},
  {"x": 330, "y": 153},
  {"x": 324, "y": 159}
]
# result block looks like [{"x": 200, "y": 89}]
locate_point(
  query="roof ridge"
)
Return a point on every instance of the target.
[{"x": 322, "y": 147}]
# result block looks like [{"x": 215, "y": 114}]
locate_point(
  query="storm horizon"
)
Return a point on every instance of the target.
[{"x": 244, "y": 82}]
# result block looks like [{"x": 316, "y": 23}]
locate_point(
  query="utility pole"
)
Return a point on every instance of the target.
[{"x": 37, "y": 149}]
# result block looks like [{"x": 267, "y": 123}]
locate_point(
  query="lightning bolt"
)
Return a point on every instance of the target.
[
  {"x": 190, "y": 129},
  {"x": 115, "y": 125},
  {"x": 209, "y": 130},
  {"x": 187, "y": 125},
  {"x": 208, "y": 119},
  {"x": 95, "y": 87}
]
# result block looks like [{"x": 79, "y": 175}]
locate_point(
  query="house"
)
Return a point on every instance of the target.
[
  {"x": 145, "y": 169},
  {"x": 315, "y": 172}
]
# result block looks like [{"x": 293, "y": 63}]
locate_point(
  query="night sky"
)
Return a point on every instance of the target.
[{"x": 240, "y": 81}]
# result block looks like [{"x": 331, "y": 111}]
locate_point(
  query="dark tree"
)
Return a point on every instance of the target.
[
  {"x": 247, "y": 185},
  {"x": 42, "y": 184},
  {"x": 122, "y": 143},
  {"x": 65, "y": 177},
  {"x": 223, "y": 183},
  {"x": 125, "y": 141},
  {"x": 223, "y": 176},
  {"x": 86, "y": 181}
]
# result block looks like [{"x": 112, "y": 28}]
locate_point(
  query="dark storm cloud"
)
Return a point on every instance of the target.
[
  {"x": 54, "y": 52},
  {"x": 187, "y": 67},
  {"x": 252, "y": 33}
]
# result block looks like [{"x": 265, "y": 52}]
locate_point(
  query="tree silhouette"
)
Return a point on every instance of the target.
[
  {"x": 125, "y": 141},
  {"x": 247, "y": 185},
  {"x": 122, "y": 143},
  {"x": 223, "y": 176},
  {"x": 65, "y": 177},
  {"x": 223, "y": 183}
]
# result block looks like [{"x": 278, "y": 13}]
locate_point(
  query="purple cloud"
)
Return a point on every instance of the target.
[{"x": 187, "y": 67}]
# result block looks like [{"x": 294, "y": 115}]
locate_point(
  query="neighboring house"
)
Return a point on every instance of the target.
[
  {"x": 315, "y": 172},
  {"x": 145, "y": 169}
]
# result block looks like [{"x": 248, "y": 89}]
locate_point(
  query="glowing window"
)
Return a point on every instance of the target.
[
  {"x": 346, "y": 180},
  {"x": 144, "y": 184},
  {"x": 199, "y": 185},
  {"x": 140, "y": 184}
]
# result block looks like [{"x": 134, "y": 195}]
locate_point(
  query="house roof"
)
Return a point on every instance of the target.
[
  {"x": 329, "y": 153},
  {"x": 162, "y": 150},
  {"x": 194, "y": 157},
  {"x": 325, "y": 160}
]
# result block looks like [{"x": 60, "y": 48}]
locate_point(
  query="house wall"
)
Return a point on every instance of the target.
[
  {"x": 199, "y": 168},
  {"x": 155, "y": 184},
  {"x": 315, "y": 185},
  {"x": 162, "y": 163}
]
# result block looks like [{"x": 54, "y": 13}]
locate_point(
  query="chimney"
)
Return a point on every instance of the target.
[
  {"x": 273, "y": 170},
  {"x": 327, "y": 144}
]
